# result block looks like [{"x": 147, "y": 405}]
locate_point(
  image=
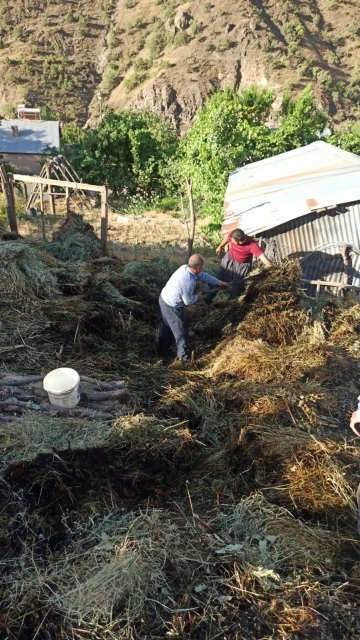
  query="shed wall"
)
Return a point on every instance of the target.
[
  {"x": 25, "y": 163},
  {"x": 317, "y": 240}
]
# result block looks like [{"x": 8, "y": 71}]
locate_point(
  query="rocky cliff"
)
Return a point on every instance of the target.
[{"x": 169, "y": 56}]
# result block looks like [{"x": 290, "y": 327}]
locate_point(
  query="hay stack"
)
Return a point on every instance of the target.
[
  {"x": 26, "y": 273},
  {"x": 75, "y": 241}
]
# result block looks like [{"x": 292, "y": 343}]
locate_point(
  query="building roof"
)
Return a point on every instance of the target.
[
  {"x": 266, "y": 194},
  {"x": 33, "y": 137}
]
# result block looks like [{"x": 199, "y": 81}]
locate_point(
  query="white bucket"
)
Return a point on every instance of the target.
[{"x": 62, "y": 386}]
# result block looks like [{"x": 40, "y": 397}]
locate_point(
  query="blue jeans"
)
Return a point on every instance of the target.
[{"x": 173, "y": 324}]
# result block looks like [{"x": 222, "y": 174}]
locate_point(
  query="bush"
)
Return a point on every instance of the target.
[
  {"x": 224, "y": 44},
  {"x": 135, "y": 80},
  {"x": 207, "y": 7},
  {"x": 130, "y": 4},
  {"x": 181, "y": 39},
  {"x": 142, "y": 64},
  {"x": 157, "y": 42},
  {"x": 70, "y": 17},
  {"x": 164, "y": 64},
  {"x": 196, "y": 27}
]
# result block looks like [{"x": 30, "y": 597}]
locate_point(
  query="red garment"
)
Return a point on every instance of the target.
[{"x": 244, "y": 252}]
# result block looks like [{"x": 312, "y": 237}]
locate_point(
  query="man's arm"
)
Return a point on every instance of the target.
[
  {"x": 222, "y": 244},
  {"x": 265, "y": 260},
  {"x": 206, "y": 277}
]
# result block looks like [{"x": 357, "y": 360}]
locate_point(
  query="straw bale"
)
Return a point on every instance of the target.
[{"x": 274, "y": 539}]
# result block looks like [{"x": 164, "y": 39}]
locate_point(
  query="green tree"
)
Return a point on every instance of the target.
[
  {"x": 225, "y": 135},
  {"x": 129, "y": 150},
  {"x": 348, "y": 139},
  {"x": 231, "y": 131}
]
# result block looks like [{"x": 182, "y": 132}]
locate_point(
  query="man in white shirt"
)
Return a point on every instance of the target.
[{"x": 178, "y": 292}]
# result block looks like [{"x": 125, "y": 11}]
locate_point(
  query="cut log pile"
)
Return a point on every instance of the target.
[{"x": 98, "y": 400}]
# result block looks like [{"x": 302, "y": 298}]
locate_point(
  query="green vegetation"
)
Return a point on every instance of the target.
[
  {"x": 130, "y": 151},
  {"x": 135, "y": 80}
]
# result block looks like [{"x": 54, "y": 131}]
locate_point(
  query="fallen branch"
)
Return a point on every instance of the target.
[
  {"x": 21, "y": 382},
  {"x": 102, "y": 395},
  {"x": 9, "y": 418},
  {"x": 106, "y": 386}
]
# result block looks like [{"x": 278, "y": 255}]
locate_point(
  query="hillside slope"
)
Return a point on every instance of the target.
[{"x": 169, "y": 56}]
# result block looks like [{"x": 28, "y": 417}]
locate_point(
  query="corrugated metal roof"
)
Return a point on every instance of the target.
[
  {"x": 266, "y": 194},
  {"x": 33, "y": 136}
]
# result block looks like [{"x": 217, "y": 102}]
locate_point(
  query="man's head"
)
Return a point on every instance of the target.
[
  {"x": 196, "y": 263},
  {"x": 238, "y": 236}
]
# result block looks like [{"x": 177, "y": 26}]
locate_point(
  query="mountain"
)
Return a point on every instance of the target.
[{"x": 169, "y": 56}]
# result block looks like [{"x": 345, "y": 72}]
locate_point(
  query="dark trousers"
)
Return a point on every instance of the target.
[
  {"x": 173, "y": 323},
  {"x": 230, "y": 271}
]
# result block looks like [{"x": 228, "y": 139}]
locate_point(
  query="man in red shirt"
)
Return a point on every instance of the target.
[{"x": 236, "y": 263}]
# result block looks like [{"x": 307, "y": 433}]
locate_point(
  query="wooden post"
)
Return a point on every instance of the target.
[
  {"x": 104, "y": 215},
  {"x": 51, "y": 197},
  {"x": 67, "y": 201},
  {"x": 42, "y": 211},
  {"x": 25, "y": 191},
  {"x": 192, "y": 217},
  {"x": 9, "y": 199}
]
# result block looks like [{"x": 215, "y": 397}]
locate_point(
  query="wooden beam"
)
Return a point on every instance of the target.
[
  {"x": 104, "y": 215},
  {"x": 9, "y": 199},
  {"x": 58, "y": 183},
  {"x": 340, "y": 285},
  {"x": 67, "y": 200},
  {"x": 41, "y": 189},
  {"x": 51, "y": 196}
]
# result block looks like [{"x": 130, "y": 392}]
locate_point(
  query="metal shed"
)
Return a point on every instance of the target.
[{"x": 305, "y": 204}]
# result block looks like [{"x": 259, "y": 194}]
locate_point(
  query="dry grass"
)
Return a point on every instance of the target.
[
  {"x": 319, "y": 481},
  {"x": 272, "y": 538}
]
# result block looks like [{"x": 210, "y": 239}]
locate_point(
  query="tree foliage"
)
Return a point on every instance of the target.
[
  {"x": 129, "y": 151},
  {"x": 348, "y": 139},
  {"x": 231, "y": 131}
]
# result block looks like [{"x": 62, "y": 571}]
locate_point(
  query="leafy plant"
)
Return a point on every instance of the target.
[
  {"x": 181, "y": 39},
  {"x": 129, "y": 150},
  {"x": 224, "y": 44},
  {"x": 142, "y": 64}
]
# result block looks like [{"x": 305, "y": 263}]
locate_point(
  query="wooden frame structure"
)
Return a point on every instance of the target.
[
  {"x": 58, "y": 168},
  {"x": 7, "y": 181}
]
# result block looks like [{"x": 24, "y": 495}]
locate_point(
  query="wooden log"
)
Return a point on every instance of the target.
[
  {"x": 9, "y": 418},
  {"x": 106, "y": 386},
  {"x": 119, "y": 394},
  {"x": 18, "y": 381}
]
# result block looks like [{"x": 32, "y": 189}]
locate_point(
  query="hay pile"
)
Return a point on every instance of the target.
[
  {"x": 222, "y": 500},
  {"x": 75, "y": 241}
]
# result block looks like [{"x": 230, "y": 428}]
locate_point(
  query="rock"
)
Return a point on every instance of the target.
[
  {"x": 170, "y": 27},
  {"x": 182, "y": 20}
]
